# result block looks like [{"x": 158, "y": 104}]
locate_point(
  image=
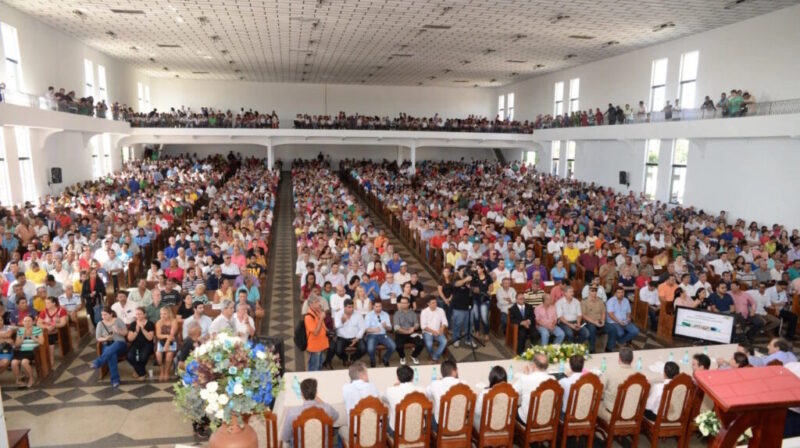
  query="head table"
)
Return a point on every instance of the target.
[{"x": 476, "y": 374}]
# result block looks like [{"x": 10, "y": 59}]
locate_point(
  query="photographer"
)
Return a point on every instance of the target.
[
  {"x": 480, "y": 299},
  {"x": 460, "y": 305}
]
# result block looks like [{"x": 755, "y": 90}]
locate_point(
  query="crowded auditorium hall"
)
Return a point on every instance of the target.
[{"x": 490, "y": 224}]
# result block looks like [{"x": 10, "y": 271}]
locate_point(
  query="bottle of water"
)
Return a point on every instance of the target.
[
  {"x": 686, "y": 357},
  {"x": 705, "y": 350},
  {"x": 416, "y": 376},
  {"x": 561, "y": 366},
  {"x": 296, "y": 387},
  {"x": 603, "y": 365},
  {"x": 671, "y": 356},
  {"x": 510, "y": 372},
  {"x": 433, "y": 374},
  {"x": 639, "y": 364}
]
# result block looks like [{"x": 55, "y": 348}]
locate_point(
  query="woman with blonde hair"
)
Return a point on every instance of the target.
[{"x": 166, "y": 330}]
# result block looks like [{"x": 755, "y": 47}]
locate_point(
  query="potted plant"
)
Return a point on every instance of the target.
[
  {"x": 555, "y": 352},
  {"x": 709, "y": 426},
  {"x": 224, "y": 382}
]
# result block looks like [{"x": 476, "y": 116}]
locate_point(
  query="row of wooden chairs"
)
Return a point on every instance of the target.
[{"x": 499, "y": 424}]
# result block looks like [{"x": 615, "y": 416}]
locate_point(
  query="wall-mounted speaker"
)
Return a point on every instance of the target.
[
  {"x": 623, "y": 178},
  {"x": 55, "y": 175}
]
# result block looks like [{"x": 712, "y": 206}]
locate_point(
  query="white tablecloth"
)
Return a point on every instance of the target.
[{"x": 329, "y": 382}]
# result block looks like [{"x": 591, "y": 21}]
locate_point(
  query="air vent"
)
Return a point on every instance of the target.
[
  {"x": 127, "y": 11},
  {"x": 203, "y": 20},
  {"x": 489, "y": 51},
  {"x": 401, "y": 55},
  {"x": 431, "y": 78},
  {"x": 111, "y": 34},
  {"x": 152, "y": 59},
  {"x": 663, "y": 26},
  {"x": 166, "y": 69},
  {"x": 436, "y": 27},
  {"x": 447, "y": 70},
  {"x": 224, "y": 51},
  {"x": 733, "y": 4},
  {"x": 215, "y": 38},
  {"x": 134, "y": 48},
  {"x": 168, "y": 46},
  {"x": 570, "y": 56},
  {"x": 461, "y": 80},
  {"x": 465, "y": 62},
  {"x": 611, "y": 43},
  {"x": 519, "y": 37},
  {"x": 581, "y": 37},
  {"x": 79, "y": 13},
  {"x": 559, "y": 18},
  {"x": 199, "y": 73},
  {"x": 515, "y": 61},
  {"x": 538, "y": 66}
]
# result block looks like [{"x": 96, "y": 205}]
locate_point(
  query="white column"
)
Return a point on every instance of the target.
[
  {"x": 270, "y": 156},
  {"x": 399, "y": 155},
  {"x": 413, "y": 156}
]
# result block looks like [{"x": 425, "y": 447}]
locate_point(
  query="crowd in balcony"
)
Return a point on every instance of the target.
[
  {"x": 405, "y": 122},
  {"x": 734, "y": 104},
  {"x": 207, "y": 117}
]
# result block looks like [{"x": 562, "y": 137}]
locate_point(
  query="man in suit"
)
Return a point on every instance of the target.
[{"x": 522, "y": 314}]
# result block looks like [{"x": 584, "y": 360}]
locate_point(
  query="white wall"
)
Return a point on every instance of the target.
[
  {"x": 758, "y": 55},
  {"x": 52, "y": 58},
  {"x": 291, "y": 99}
]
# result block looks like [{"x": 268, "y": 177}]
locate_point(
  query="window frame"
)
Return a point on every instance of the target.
[
  {"x": 658, "y": 87},
  {"x": 501, "y": 107},
  {"x": 5, "y": 186},
  {"x": 574, "y": 100},
  {"x": 558, "y": 98},
  {"x": 648, "y": 166},
  {"x": 22, "y": 135},
  {"x": 88, "y": 78},
  {"x": 11, "y": 57},
  {"x": 684, "y": 83},
  {"x": 555, "y": 154},
  {"x": 676, "y": 197},
  {"x": 570, "y": 174},
  {"x": 510, "y": 106}
]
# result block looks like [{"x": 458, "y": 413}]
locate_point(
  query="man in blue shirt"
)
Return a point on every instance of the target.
[
  {"x": 141, "y": 239},
  {"x": 378, "y": 323},
  {"x": 393, "y": 265},
  {"x": 619, "y": 326},
  {"x": 171, "y": 251},
  {"x": 389, "y": 289},
  {"x": 10, "y": 242},
  {"x": 778, "y": 350},
  {"x": 721, "y": 301},
  {"x": 371, "y": 287}
]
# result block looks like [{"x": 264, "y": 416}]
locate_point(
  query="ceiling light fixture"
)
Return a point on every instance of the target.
[
  {"x": 515, "y": 61},
  {"x": 538, "y": 66},
  {"x": 488, "y": 51},
  {"x": 514, "y": 74},
  {"x": 465, "y": 62},
  {"x": 493, "y": 80},
  {"x": 402, "y": 55},
  {"x": 134, "y": 48},
  {"x": 733, "y": 4},
  {"x": 431, "y": 78},
  {"x": 111, "y": 34},
  {"x": 447, "y": 70},
  {"x": 166, "y": 69},
  {"x": 208, "y": 57},
  {"x": 436, "y": 27},
  {"x": 224, "y": 51},
  {"x": 80, "y": 13},
  {"x": 461, "y": 80},
  {"x": 581, "y": 37},
  {"x": 179, "y": 19},
  {"x": 518, "y": 37},
  {"x": 152, "y": 59},
  {"x": 127, "y": 11},
  {"x": 570, "y": 56},
  {"x": 199, "y": 73},
  {"x": 559, "y": 18},
  {"x": 610, "y": 43},
  {"x": 241, "y": 78},
  {"x": 168, "y": 46},
  {"x": 215, "y": 38},
  {"x": 203, "y": 20}
]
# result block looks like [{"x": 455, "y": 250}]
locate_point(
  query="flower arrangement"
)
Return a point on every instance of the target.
[
  {"x": 227, "y": 377},
  {"x": 709, "y": 426},
  {"x": 555, "y": 352}
]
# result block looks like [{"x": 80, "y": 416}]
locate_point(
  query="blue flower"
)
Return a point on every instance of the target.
[
  {"x": 233, "y": 370},
  {"x": 188, "y": 379},
  {"x": 259, "y": 347},
  {"x": 248, "y": 393},
  {"x": 191, "y": 367},
  {"x": 246, "y": 372},
  {"x": 229, "y": 388},
  {"x": 218, "y": 357}
]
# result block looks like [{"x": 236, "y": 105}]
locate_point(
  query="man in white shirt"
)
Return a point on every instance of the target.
[
  {"x": 433, "y": 322},
  {"x": 358, "y": 387},
  {"x": 229, "y": 270},
  {"x": 779, "y": 300},
  {"x": 71, "y": 302},
  {"x": 337, "y": 300},
  {"x": 763, "y": 303},
  {"x": 720, "y": 265},
  {"x": 350, "y": 328},
  {"x": 569, "y": 315},
  {"x": 389, "y": 289},
  {"x": 671, "y": 370},
  {"x": 701, "y": 283},
  {"x": 402, "y": 276},
  {"x": 576, "y": 370},
  {"x": 199, "y": 317},
  {"x": 649, "y": 295},
  {"x": 554, "y": 247},
  {"x": 506, "y": 296},
  {"x": 533, "y": 376},
  {"x": 595, "y": 283},
  {"x": 437, "y": 388},
  {"x": 125, "y": 309},
  {"x": 395, "y": 394},
  {"x": 501, "y": 272},
  {"x": 335, "y": 277}
]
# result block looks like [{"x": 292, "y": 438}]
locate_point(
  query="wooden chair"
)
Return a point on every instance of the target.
[
  {"x": 104, "y": 369},
  {"x": 626, "y": 417},
  {"x": 512, "y": 335},
  {"x": 666, "y": 320},
  {"x": 672, "y": 417},
  {"x": 775, "y": 362},
  {"x": 412, "y": 422},
  {"x": 64, "y": 340},
  {"x": 499, "y": 407},
  {"x": 639, "y": 316},
  {"x": 368, "y": 422},
  {"x": 456, "y": 411},
  {"x": 544, "y": 409},
  {"x": 583, "y": 402},
  {"x": 313, "y": 428},
  {"x": 271, "y": 423}
]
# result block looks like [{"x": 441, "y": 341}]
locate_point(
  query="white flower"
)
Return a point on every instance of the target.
[
  {"x": 220, "y": 414},
  {"x": 212, "y": 397},
  {"x": 261, "y": 355},
  {"x": 212, "y": 407},
  {"x": 204, "y": 394},
  {"x": 222, "y": 400},
  {"x": 238, "y": 389},
  {"x": 212, "y": 386}
]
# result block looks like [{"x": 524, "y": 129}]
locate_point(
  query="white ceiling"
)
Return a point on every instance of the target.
[{"x": 353, "y": 41}]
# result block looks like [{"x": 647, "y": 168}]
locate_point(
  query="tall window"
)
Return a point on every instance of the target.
[
  {"x": 651, "y": 154},
  {"x": 688, "y": 86},
  {"x": 574, "y": 94},
  {"x": 147, "y": 98},
  {"x": 102, "y": 88},
  {"x": 555, "y": 151},
  {"x": 501, "y": 107},
  {"x": 23, "y": 137},
  {"x": 107, "y": 153},
  {"x": 5, "y": 187},
  {"x": 558, "y": 109},
  {"x": 13, "y": 75},
  {"x": 140, "y": 90},
  {"x": 680, "y": 155},
  {"x": 570, "y": 159},
  {"x": 88, "y": 75},
  {"x": 530, "y": 157},
  {"x": 658, "y": 84},
  {"x": 127, "y": 154},
  {"x": 97, "y": 167},
  {"x": 510, "y": 106}
]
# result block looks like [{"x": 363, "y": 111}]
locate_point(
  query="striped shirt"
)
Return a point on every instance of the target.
[{"x": 29, "y": 344}]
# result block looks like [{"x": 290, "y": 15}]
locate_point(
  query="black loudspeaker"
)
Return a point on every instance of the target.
[
  {"x": 275, "y": 345},
  {"x": 55, "y": 175},
  {"x": 623, "y": 178}
]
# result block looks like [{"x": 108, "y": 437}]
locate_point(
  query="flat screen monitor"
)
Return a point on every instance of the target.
[{"x": 703, "y": 325}]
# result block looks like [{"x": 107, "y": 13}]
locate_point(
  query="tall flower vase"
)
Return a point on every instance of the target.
[{"x": 233, "y": 435}]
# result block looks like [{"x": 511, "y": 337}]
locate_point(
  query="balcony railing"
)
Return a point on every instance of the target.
[{"x": 39, "y": 102}]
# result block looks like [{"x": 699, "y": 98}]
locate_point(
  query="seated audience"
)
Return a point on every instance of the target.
[
  {"x": 112, "y": 333},
  {"x": 308, "y": 390},
  {"x": 378, "y": 323},
  {"x": 497, "y": 375},
  {"x": 619, "y": 327},
  {"x": 671, "y": 370},
  {"x": 434, "y": 324},
  {"x": 29, "y": 338},
  {"x": 140, "y": 337},
  {"x": 575, "y": 373},
  {"x": 530, "y": 380},
  {"x": 395, "y": 394},
  {"x": 438, "y": 387}
]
